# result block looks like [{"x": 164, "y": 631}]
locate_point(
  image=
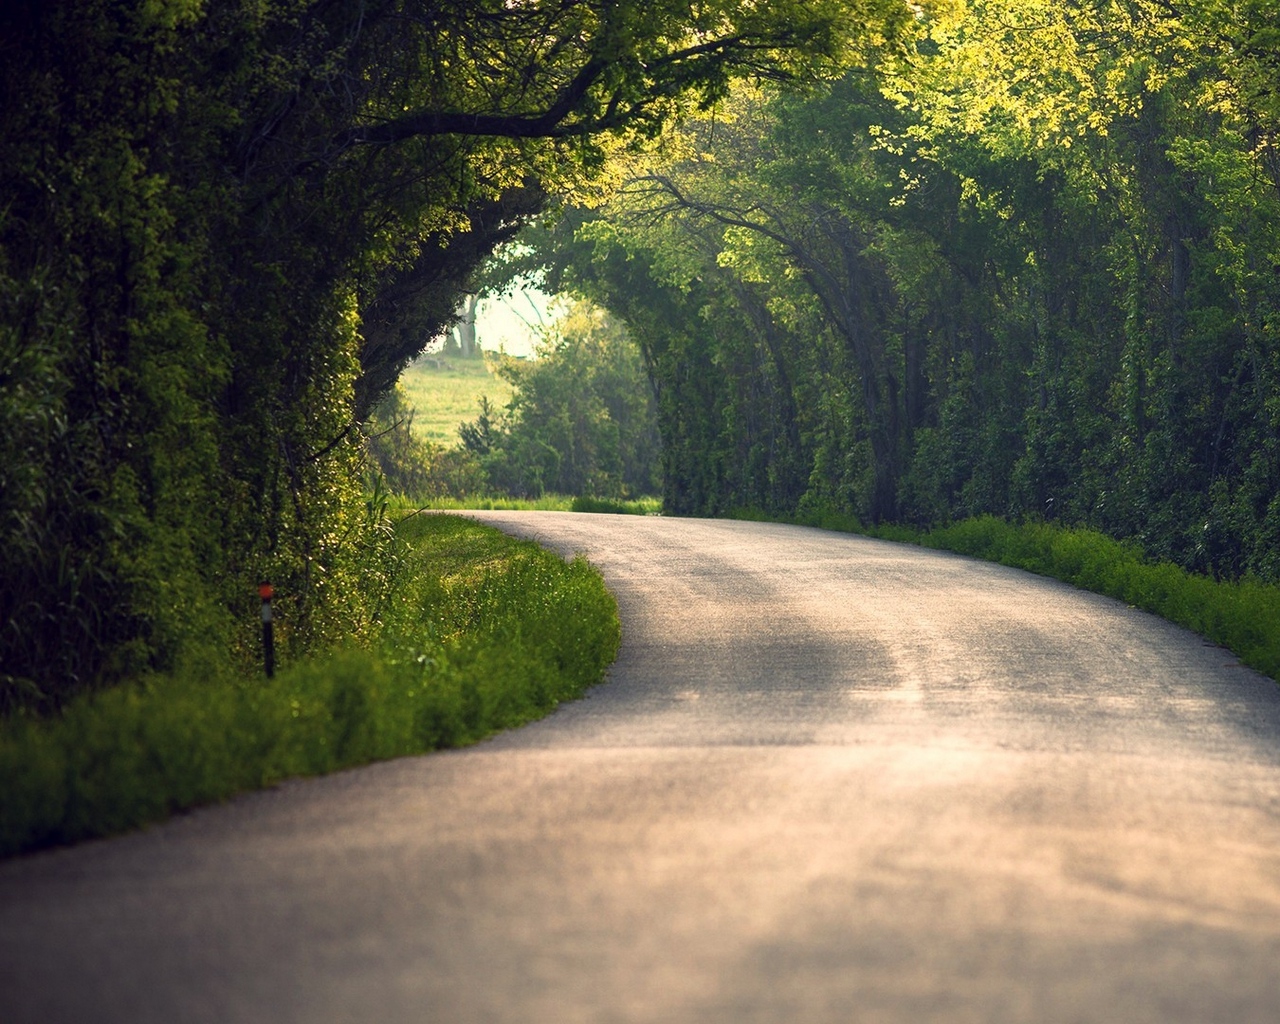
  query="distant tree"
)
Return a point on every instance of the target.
[{"x": 581, "y": 420}]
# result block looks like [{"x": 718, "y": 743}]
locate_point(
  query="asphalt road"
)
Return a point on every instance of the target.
[{"x": 830, "y": 779}]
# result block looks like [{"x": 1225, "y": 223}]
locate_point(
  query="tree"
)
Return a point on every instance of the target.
[
  {"x": 229, "y": 225},
  {"x": 581, "y": 420},
  {"x": 782, "y": 189},
  {"x": 1044, "y": 239}
]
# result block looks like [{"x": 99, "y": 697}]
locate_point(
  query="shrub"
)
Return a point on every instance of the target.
[{"x": 481, "y": 632}]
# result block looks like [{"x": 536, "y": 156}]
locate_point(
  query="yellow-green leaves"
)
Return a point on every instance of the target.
[{"x": 1035, "y": 75}]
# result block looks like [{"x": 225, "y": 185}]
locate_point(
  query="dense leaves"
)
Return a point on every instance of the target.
[
  {"x": 581, "y": 420},
  {"x": 224, "y": 228},
  {"x": 1027, "y": 268},
  {"x": 481, "y": 632}
]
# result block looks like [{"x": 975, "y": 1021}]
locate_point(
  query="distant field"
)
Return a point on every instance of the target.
[{"x": 444, "y": 397}]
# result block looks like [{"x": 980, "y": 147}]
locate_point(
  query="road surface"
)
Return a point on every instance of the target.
[{"x": 830, "y": 779}]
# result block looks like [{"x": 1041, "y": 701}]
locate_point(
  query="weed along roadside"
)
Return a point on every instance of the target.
[
  {"x": 1242, "y": 616},
  {"x": 481, "y": 632}
]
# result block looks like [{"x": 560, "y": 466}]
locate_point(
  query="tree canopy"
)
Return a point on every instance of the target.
[
  {"x": 228, "y": 224},
  {"x": 910, "y": 261},
  {"x": 1025, "y": 265}
]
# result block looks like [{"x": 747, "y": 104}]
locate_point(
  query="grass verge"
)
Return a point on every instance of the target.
[
  {"x": 485, "y": 632},
  {"x": 547, "y": 503},
  {"x": 618, "y": 506},
  {"x": 1242, "y": 616}
]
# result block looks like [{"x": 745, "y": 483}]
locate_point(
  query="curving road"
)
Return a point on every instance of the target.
[{"x": 830, "y": 779}]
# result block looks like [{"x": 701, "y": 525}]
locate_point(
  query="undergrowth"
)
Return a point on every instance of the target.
[
  {"x": 546, "y": 503},
  {"x": 1243, "y": 616},
  {"x": 482, "y": 632},
  {"x": 628, "y": 506}
]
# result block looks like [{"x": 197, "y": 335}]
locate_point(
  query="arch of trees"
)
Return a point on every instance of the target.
[
  {"x": 907, "y": 260},
  {"x": 1027, "y": 265},
  {"x": 226, "y": 225}
]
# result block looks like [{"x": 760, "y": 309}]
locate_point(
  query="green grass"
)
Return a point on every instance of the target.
[
  {"x": 1242, "y": 616},
  {"x": 547, "y": 503},
  {"x": 485, "y": 632},
  {"x": 444, "y": 397},
  {"x": 618, "y": 506}
]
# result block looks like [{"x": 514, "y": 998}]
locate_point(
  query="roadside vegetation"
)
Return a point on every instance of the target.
[
  {"x": 579, "y": 420},
  {"x": 547, "y": 503},
  {"x": 876, "y": 263},
  {"x": 1240, "y": 615},
  {"x": 1025, "y": 266},
  {"x": 227, "y": 228},
  {"x": 478, "y": 632}
]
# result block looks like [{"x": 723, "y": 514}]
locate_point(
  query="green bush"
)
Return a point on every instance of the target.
[
  {"x": 619, "y": 506},
  {"x": 582, "y": 416},
  {"x": 546, "y": 503},
  {"x": 410, "y": 465},
  {"x": 482, "y": 632}
]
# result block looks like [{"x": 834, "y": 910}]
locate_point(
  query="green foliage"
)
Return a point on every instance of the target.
[
  {"x": 444, "y": 392},
  {"x": 545, "y": 503},
  {"x": 410, "y": 466},
  {"x": 581, "y": 418},
  {"x": 634, "y": 507},
  {"x": 105, "y": 374},
  {"x": 226, "y": 228},
  {"x": 480, "y": 633},
  {"x": 698, "y": 342},
  {"x": 1026, "y": 268}
]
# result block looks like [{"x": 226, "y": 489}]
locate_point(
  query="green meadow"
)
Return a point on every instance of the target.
[{"x": 445, "y": 391}]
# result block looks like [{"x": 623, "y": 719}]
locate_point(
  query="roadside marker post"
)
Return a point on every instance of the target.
[{"x": 268, "y": 639}]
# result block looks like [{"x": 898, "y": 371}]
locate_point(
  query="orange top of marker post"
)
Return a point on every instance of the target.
[{"x": 265, "y": 591}]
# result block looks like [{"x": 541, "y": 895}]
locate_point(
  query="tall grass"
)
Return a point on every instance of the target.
[
  {"x": 546, "y": 503},
  {"x": 483, "y": 632},
  {"x": 618, "y": 506}
]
